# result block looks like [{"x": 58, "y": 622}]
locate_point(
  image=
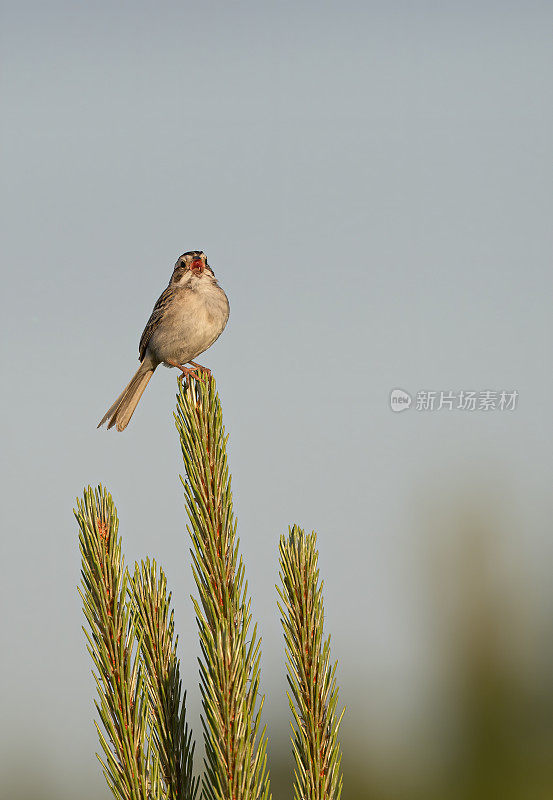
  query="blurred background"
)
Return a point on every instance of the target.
[{"x": 372, "y": 183}]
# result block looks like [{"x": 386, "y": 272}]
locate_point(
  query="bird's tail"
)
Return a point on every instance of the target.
[{"x": 122, "y": 410}]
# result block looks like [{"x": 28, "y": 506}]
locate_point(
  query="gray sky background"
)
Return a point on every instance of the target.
[{"x": 372, "y": 184}]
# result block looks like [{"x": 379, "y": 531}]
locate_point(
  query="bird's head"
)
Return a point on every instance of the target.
[
  {"x": 193, "y": 260},
  {"x": 192, "y": 264}
]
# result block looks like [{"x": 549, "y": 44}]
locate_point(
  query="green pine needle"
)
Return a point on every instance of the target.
[
  {"x": 313, "y": 695},
  {"x": 172, "y": 739},
  {"x": 130, "y": 765},
  {"x": 235, "y": 762}
]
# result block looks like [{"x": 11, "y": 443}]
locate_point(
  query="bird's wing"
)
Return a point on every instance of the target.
[{"x": 155, "y": 318}]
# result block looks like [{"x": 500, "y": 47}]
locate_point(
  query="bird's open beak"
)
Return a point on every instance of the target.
[{"x": 197, "y": 266}]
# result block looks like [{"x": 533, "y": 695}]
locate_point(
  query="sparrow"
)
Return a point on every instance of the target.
[{"x": 188, "y": 317}]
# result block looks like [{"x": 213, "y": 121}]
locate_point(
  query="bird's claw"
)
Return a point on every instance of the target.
[{"x": 195, "y": 371}]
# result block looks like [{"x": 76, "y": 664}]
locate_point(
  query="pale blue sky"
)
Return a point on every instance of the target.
[{"x": 372, "y": 184}]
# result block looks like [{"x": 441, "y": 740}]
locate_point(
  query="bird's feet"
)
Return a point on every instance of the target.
[
  {"x": 194, "y": 371},
  {"x": 205, "y": 371}
]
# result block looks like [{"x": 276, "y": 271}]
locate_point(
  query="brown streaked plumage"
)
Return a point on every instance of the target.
[{"x": 188, "y": 317}]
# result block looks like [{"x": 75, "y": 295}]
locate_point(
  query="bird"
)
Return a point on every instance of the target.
[{"x": 188, "y": 317}]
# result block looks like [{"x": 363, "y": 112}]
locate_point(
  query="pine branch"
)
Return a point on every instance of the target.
[
  {"x": 130, "y": 766},
  {"x": 314, "y": 694},
  {"x": 229, "y": 669},
  {"x": 172, "y": 738}
]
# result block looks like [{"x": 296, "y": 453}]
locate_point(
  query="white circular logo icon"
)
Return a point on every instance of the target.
[{"x": 399, "y": 400}]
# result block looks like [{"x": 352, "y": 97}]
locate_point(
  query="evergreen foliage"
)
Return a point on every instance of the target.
[
  {"x": 130, "y": 765},
  {"x": 146, "y": 743},
  {"x": 314, "y": 694},
  {"x": 229, "y": 672},
  {"x": 173, "y": 740}
]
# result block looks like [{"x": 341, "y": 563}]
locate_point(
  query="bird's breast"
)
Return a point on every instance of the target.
[{"x": 191, "y": 324}]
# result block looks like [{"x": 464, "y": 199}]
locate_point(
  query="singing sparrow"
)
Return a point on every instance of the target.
[{"x": 188, "y": 317}]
